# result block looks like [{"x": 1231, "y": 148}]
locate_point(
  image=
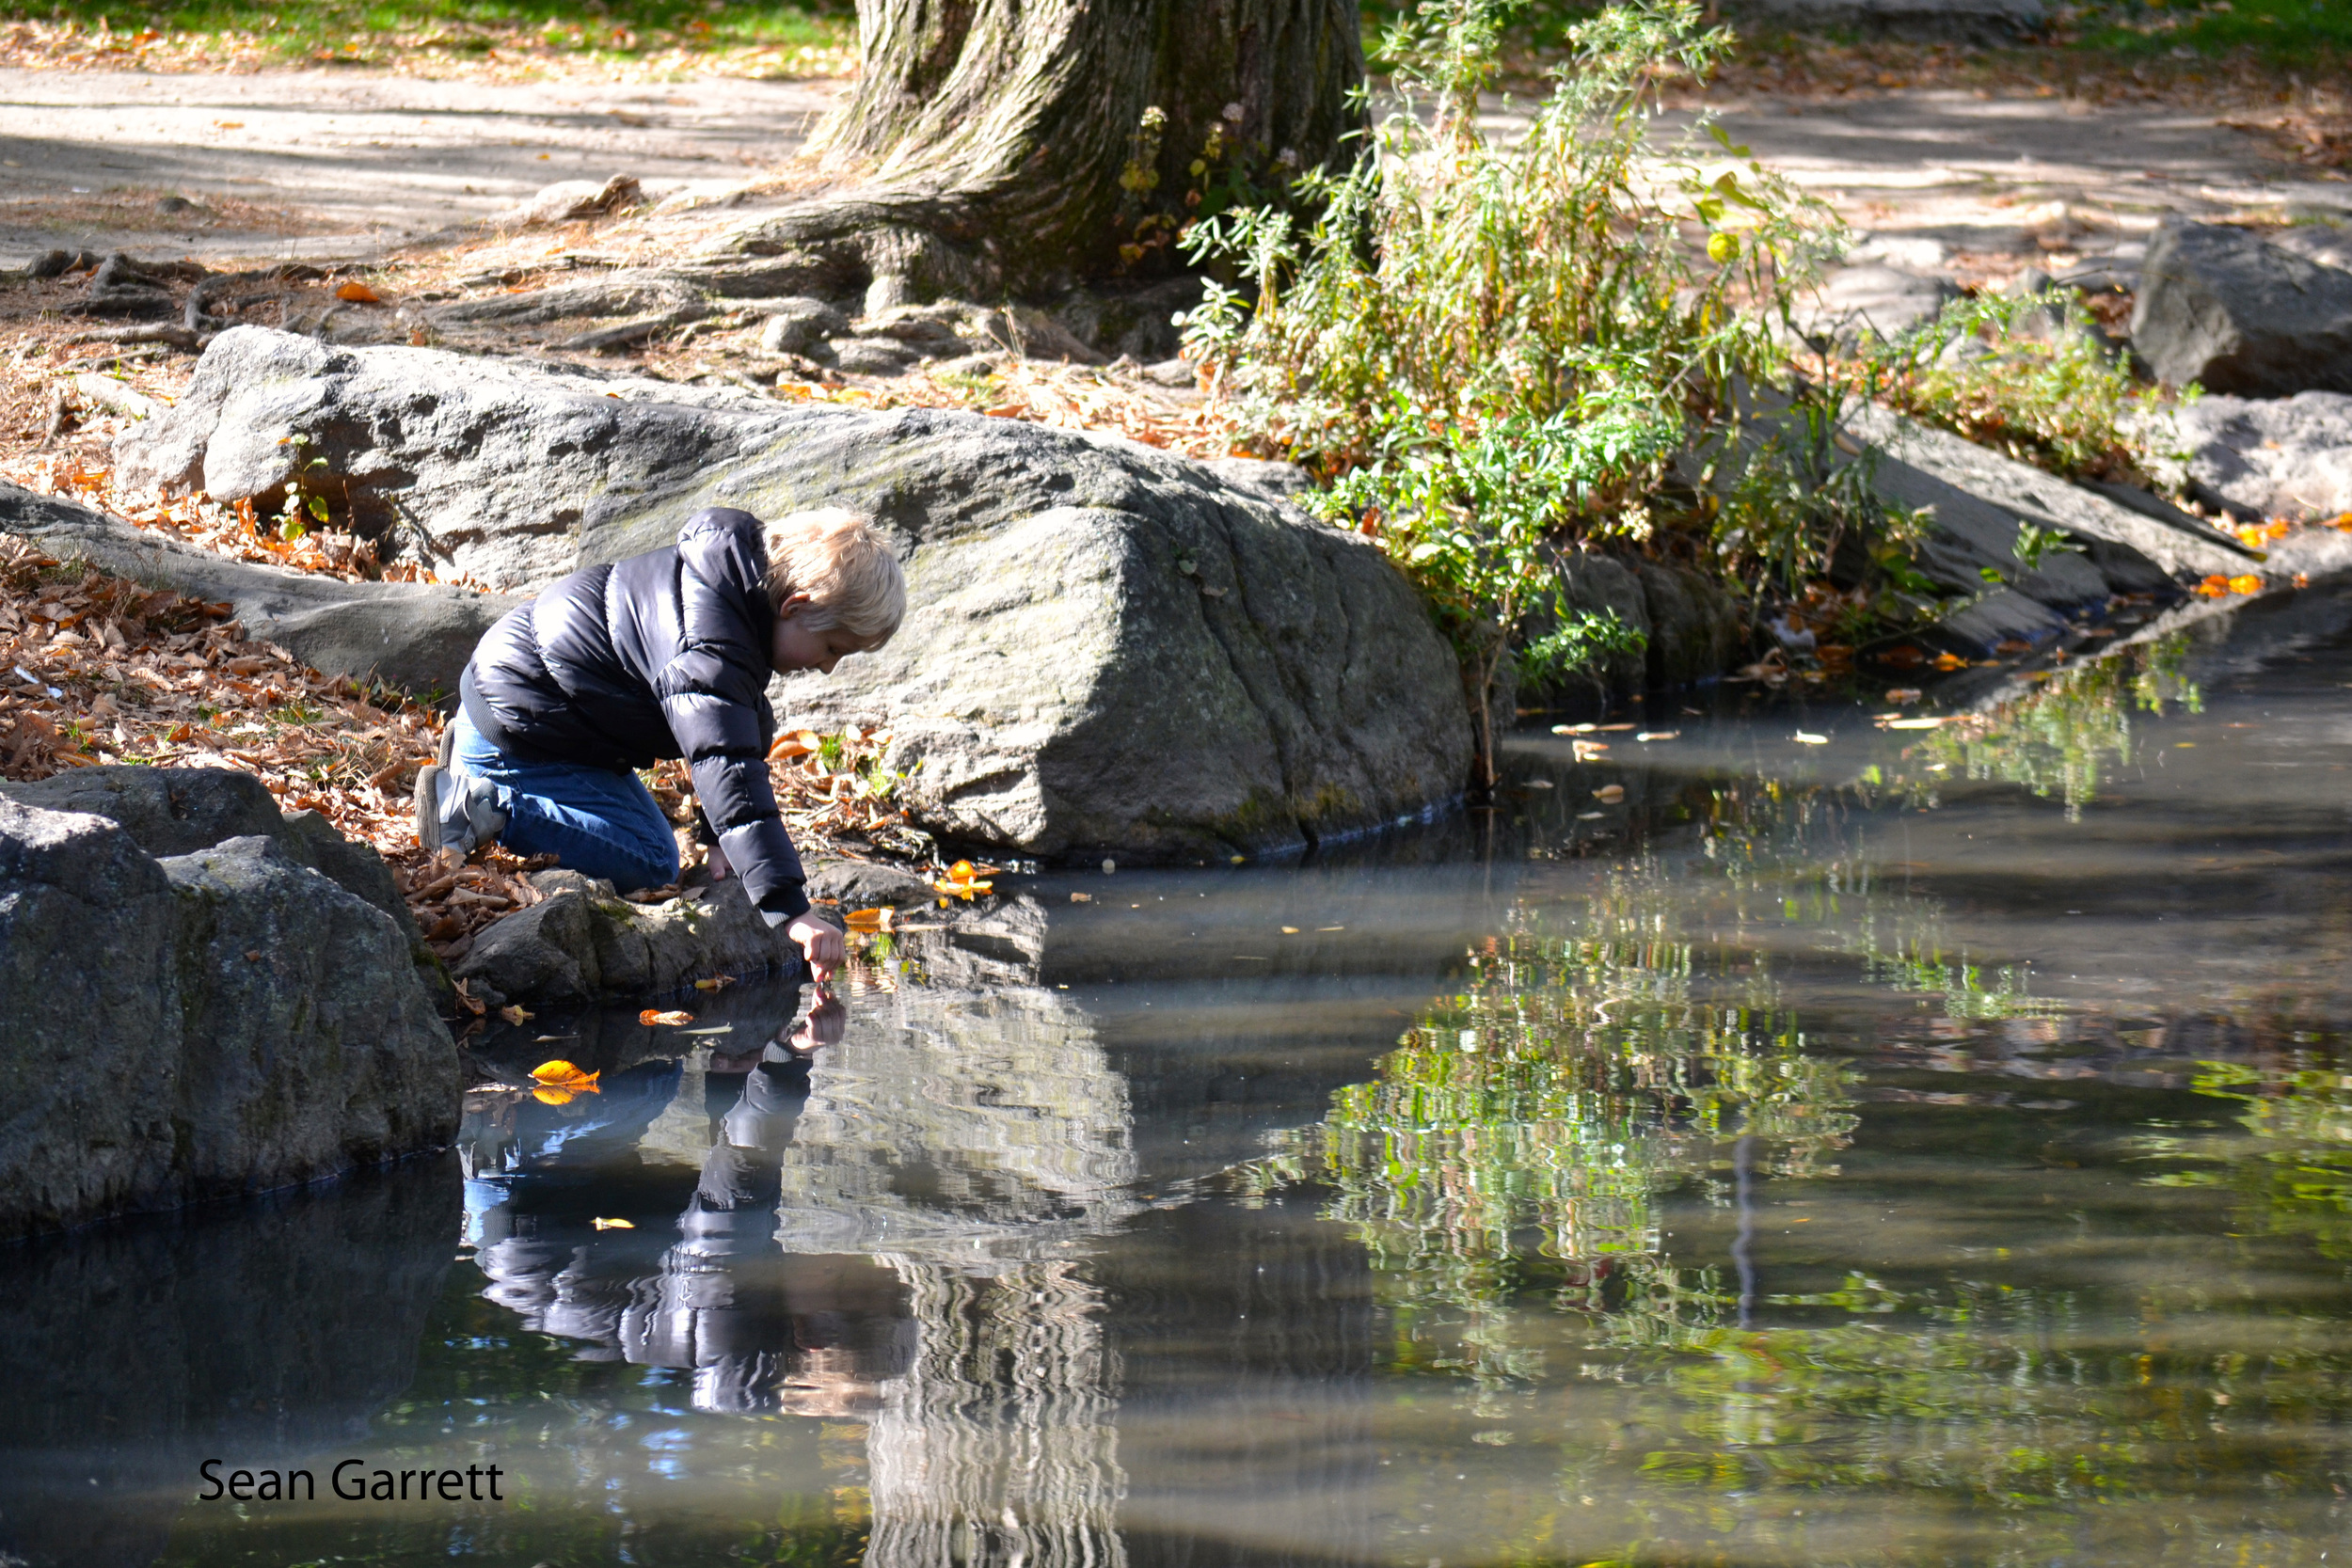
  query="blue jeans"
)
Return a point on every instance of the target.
[{"x": 593, "y": 821}]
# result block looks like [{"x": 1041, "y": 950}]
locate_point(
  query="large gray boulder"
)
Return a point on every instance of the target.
[
  {"x": 1106, "y": 649},
  {"x": 205, "y": 1024},
  {"x": 2286, "y": 457},
  {"x": 414, "y": 636},
  {"x": 581, "y": 942},
  {"x": 2229, "y": 310}
]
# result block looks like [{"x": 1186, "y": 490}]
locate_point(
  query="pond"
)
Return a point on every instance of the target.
[{"x": 1912, "y": 1145}]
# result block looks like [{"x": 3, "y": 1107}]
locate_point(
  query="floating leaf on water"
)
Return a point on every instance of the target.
[
  {"x": 1648, "y": 736},
  {"x": 1611, "y": 793},
  {"x": 1290, "y": 931},
  {"x": 561, "y": 1074},
  {"x": 1804, "y": 739},
  {"x": 716, "y": 982},
  {"x": 516, "y": 1014},
  {"x": 1082, "y": 898},
  {"x": 547, "y": 1095},
  {"x": 1903, "y": 694},
  {"x": 673, "y": 1018},
  {"x": 871, "y": 919},
  {"x": 602, "y": 1224}
]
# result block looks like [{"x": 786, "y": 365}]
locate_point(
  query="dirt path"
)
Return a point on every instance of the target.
[
  {"x": 343, "y": 164},
  {"x": 1946, "y": 181},
  {"x": 336, "y": 164}
]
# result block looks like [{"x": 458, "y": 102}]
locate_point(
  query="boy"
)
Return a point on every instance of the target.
[{"x": 662, "y": 655}]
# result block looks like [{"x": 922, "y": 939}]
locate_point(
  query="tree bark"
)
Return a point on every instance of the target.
[{"x": 1004, "y": 145}]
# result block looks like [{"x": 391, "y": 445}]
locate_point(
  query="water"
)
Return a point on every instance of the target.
[{"x": 1926, "y": 1146}]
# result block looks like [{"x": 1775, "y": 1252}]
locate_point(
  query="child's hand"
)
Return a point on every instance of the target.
[{"x": 821, "y": 943}]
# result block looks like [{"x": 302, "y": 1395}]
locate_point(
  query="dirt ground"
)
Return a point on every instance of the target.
[{"x": 348, "y": 164}]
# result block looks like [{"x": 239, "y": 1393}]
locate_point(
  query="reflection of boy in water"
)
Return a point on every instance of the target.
[
  {"x": 807, "y": 1344},
  {"x": 759, "y": 1329}
]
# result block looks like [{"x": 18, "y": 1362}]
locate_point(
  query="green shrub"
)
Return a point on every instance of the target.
[
  {"x": 1491, "y": 351},
  {"x": 2025, "y": 375}
]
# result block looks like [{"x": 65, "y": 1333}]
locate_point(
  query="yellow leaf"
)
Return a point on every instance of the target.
[
  {"x": 612, "y": 1225},
  {"x": 551, "y": 1097},
  {"x": 962, "y": 871},
  {"x": 716, "y": 982},
  {"x": 562, "y": 1072},
  {"x": 2249, "y": 583},
  {"x": 673, "y": 1018},
  {"x": 515, "y": 1015}
]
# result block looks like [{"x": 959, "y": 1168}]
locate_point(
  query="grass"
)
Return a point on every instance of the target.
[
  {"x": 823, "y": 32},
  {"x": 2289, "y": 32}
]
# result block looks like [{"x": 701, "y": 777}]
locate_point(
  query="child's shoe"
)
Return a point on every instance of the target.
[{"x": 454, "y": 810}]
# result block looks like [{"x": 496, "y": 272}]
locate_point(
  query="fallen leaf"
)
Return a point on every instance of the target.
[
  {"x": 602, "y": 1224},
  {"x": 545, "y": 1094},
  {"x": 1903, "y": 694},
  {"x": 2249, "y": 583},
  {"x": 1290, "y": 931},
  {"x": 870, "y": 919},
  {"x": 1951, "y": 661},
  {"x": 515, "y": 1014},
  {"x": 2214, "y": 586},
  {"x": 561, "y": 1074},
  {"x": 466, "y": 999},
  {"x": 1802, "y": 738},
  {"x": 654, "y": 1015},
  {"x": 716, "y": 982},
  {"x": 358, "y": 294},
  {"x": 962, "y": 871},
  {"x": 1648, "y": 736},
  {"x": 1611, "y": 793},
  {"x": 1082, "y": 898}
]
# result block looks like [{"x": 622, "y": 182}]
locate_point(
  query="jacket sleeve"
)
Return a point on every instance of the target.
[{"x": 721, "y": 738}]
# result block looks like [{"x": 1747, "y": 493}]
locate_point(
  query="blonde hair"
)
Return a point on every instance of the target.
[{"x": 840, "y": 559}]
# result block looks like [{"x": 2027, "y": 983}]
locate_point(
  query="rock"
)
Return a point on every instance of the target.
[
  {"x": 795, "y": 324},
  {"x": 1139, "y": 323},
  {"x": 178, "y": 811},
  {"x": 196, "y": 1026},
  {"x": 2132, "y": 537},
  {"x": 2291, "y": 458},
  {"x": 632, "y": 292},
  {"x": 414, "y": 636},
  {"x": 504, "y": 466},
  {"x": 1279, "y": 482},
  {"x": 568, "y": 201},
  {"x": 2328, "y": 243},
  {"x": 867, "y": 355},
  {"x": 1066, "y": 685},
  {"x": 1874, "y": 300},
  {"x": 1978, "y": 629},
  {"x": 2225, "y": 309},
  {"x": 582, "y": 942},
  {"x": 49, "y": 263},
  {"x": 1694, "y": 630},
  {"x": 1599, "y": 584},
  {"x": 866, "y": 885},
  {"x": 1171, "y": 372},
  {"x": 115, "y": 397}
]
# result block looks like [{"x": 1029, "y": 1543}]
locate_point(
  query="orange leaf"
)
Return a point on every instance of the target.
[
  {"x": 786, "y": 748},
  {"x": 653, "y": 1015},
  {"x": 545, "y": 1096},
  {"x": 561, "y": 1074},
  {"x": 1951, "y": 661},
  {"x": 961, "y": 872},
  {"x": 358, "y": 294},
  {"x": 2249, "y": 583},
  {"x": 716, "y": 982},
  {"x": 870, "y": 920}
]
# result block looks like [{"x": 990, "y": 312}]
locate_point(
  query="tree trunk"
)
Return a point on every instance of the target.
[{"x": 998, "y": 146}]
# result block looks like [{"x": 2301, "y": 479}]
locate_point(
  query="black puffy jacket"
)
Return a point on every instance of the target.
[{"x": 663, "y": 655}]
